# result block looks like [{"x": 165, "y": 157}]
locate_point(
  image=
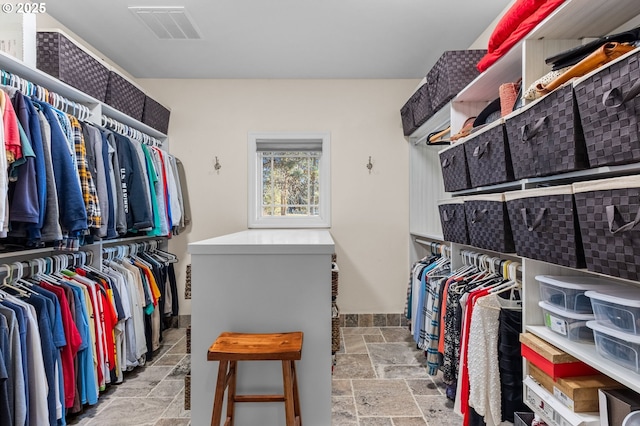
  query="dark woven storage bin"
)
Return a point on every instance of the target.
[
  {"x": 545, "y": 225},
  {"x": 62, "y": 58},
  {"x": 416, "y": 111},
  {"x": 454, "y": 223},
  {"x": 611, "y": 132},
  {"x": 451, "y": 73},
  {"x": 335, "y": 328},
  {"x": 488, "y": 223},
  {"x": 334, "y": 257},
  {"x": 453, "y": 164},
  {"x": 522, "y": 418},
  {"x": 406, "y": 114},
  {"x": 488, "y": 157},
  {"x": 187, "y": 391},
  {"x": 334, "y": 279},
  {"x": 422, "y": 109},
  {"x": 155, "y": 115},
  {"x": 546, "y": 138},
  {"x": 608, "y": 249},
  {"x": 188, "y": 339},
  {"x": 124, "y": 96}
]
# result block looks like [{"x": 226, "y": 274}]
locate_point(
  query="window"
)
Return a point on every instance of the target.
[{"x": 289, "y": 180}]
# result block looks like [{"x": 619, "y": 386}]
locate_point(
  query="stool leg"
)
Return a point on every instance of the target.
[
  {"x": 216, "y": 416},
  {"x": 231, "y": 395},
  {"x": 296, "y": 395},
  {"x": 288, "y": 393}
]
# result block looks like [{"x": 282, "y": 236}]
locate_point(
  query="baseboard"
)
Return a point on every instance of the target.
[
  {"x": 372, "y": 320},
  {"x": 346, "y": 320}
]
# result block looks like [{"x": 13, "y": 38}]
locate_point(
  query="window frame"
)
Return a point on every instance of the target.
[{"x": 255, "y": 218}]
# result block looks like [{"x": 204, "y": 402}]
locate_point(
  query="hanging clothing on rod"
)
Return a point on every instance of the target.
[
  {"x": 40, "y": 93},
  {"x": 466, "y": 320},
  {"x": 63, "y": 185},
  {"x": 72, "y": 329},
  {"x": 128, "y": 131}
]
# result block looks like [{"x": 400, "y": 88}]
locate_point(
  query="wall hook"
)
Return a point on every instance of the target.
[
  {"x": 217, "y": 166},
  {"x": 369, "y": 165}
]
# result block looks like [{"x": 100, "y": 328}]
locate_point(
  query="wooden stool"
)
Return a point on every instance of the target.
[{"x": 229, "y": 348}]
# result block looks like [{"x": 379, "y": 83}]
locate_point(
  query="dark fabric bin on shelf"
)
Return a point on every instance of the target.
[
  {"x": 453, "y": 164},
  {"x": 546, "y": 137},
  {"x": 545, "y": 225},
  {"x": 452, "y": 72},
  {"x": 335, "y": 328},
  {"x": 611, "y": 125},
  {"x": 422, "y": 110},
  {"x": 609, "y": 216},
  {"x": 59, "y": 56},
  {"x": 523, "y": 419},
  {"x": 454, "y": 223},
  {"x": 155, "y": 115},
  {"x": 406, "y": 114},
  {"x": 488, "y": 156},
  {"x": 124, "y": 96},
  {"x": 488, "y": 223},
  {"x": 416, "y": 111}
]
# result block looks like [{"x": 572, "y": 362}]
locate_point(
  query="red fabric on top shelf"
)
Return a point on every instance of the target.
[{"x": 523, "y": 29}]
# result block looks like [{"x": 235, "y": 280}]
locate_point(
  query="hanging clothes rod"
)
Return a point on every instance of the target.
[
  {"x": 123, "y": 250},
  {"x": 55, "y": 262},
  {"x": 436, "y": 248},
  {"x": 490, "y": 263},
  {"x": 129, "y": 131},
  {"x": 57, "y": 101}
]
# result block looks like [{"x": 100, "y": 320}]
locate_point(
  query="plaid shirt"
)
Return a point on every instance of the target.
[
  {"x": 89, "y": 193},
  {"x": 430, "y": 333}
]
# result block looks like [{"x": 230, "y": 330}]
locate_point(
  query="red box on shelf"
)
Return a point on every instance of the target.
[{"x": 554, "y": 362}]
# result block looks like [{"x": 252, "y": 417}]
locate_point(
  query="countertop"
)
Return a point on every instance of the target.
[{"x": 268, "y": 241}]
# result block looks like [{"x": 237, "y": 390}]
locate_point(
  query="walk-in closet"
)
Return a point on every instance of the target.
[{"x": 320, "y": 213}]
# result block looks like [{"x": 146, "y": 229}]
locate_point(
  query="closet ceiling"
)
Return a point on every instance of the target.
[{"x": 283, "y": 38}]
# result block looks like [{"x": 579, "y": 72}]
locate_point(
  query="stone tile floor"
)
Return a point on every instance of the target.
[{"x": 380, "y": 380}]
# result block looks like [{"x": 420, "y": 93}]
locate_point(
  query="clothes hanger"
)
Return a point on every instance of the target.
[{"x": 7, "y": 282}]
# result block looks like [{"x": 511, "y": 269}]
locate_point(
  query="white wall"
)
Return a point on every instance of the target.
[{"x": 369, "y": 211}]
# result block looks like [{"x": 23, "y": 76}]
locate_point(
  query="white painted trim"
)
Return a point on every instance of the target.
[{"x": 254, "y": 171}]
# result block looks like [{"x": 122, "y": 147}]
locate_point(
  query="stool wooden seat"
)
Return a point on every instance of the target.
[{"x": 229, "y": 348}]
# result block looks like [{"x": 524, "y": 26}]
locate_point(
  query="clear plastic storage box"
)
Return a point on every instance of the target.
[
  {"x": 618, "y": 309},
  {"x": 617, "y": 346},
  {"x": 567, "y": 293},
  {"x": 571, "y": 325}
]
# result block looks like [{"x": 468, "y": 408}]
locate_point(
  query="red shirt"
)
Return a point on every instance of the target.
[{"x": 69, "y": 351}]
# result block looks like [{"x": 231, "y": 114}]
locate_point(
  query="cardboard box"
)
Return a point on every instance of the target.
[
  {"x": 579, "y": 394},
  {"x": 553, "y": 361},
  {"x": 551, "y": 410},
  {"x": 616, "y": 404}
]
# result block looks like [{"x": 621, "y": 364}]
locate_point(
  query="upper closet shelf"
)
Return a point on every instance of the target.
[
  {"x": 560, "y": 179},
  {"x": 34, "y": 75},
  {"x": 572, "y": 20},
  {"x": 437, "y": 121}
]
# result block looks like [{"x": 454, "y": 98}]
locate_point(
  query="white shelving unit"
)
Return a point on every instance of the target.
[
  {"x": 568, "y": 26},
  {"x": 36, "y": 76}
]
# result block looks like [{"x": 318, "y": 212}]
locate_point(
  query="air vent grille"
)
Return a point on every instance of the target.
[{"x": 167, "y": 22}]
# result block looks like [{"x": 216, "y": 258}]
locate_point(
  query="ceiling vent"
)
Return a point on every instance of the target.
[{"x": 167, "y": 22}]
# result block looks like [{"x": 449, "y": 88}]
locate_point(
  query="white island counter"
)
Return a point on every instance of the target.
[{"x": 263, "y": 281}]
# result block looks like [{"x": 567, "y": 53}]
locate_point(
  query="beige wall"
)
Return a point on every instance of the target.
[{"x": 369, "y": 211}]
